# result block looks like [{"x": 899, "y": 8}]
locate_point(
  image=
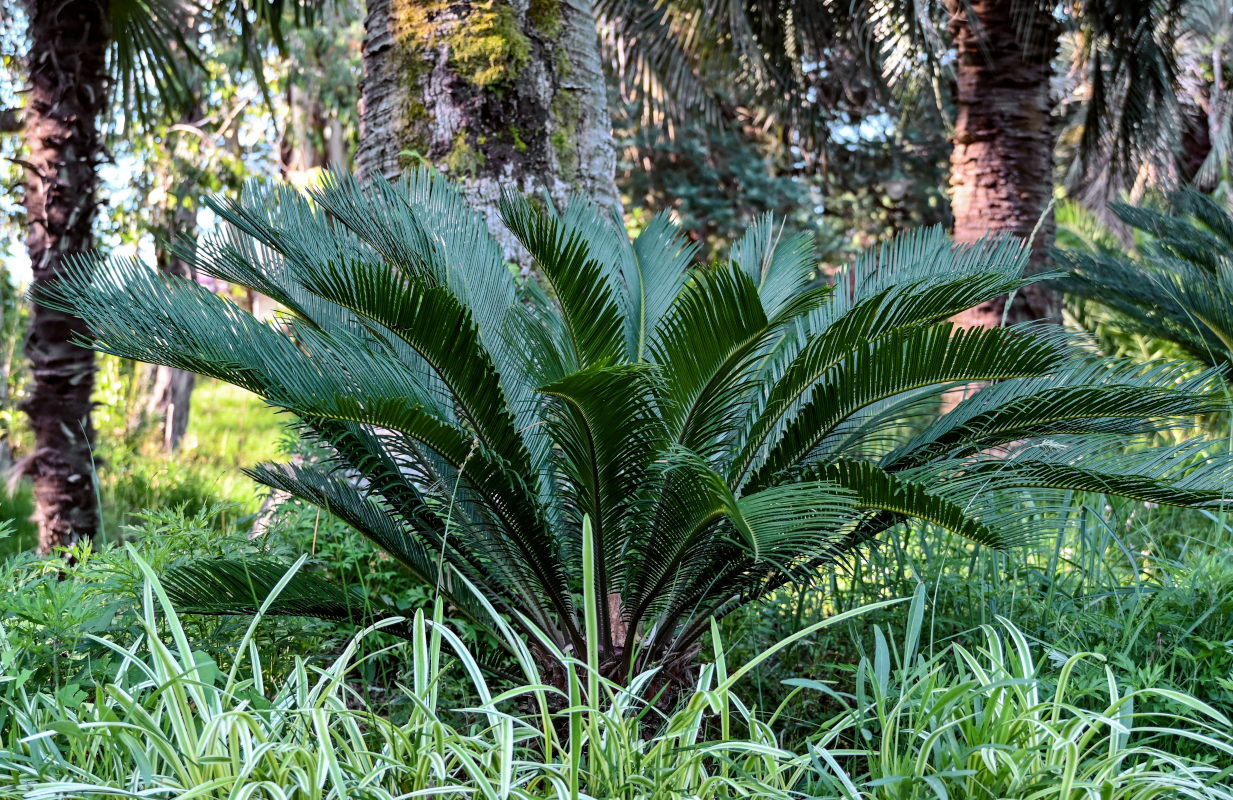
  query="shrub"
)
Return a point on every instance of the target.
[
  {"x": 54, "y": 609},
  {"x": 728, "y": 429}
]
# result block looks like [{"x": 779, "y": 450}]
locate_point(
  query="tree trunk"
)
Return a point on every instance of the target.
[
  {"x": 305, "y": 124},
  {"x": 171, "y": 396},
  {"x": 1002, "y": 162},
  {"x": 68, "y": 41},
  {"x": 500, "y": 94}
]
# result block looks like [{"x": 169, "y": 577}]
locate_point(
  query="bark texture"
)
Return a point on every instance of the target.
[
  {"x": 1002, "y": 162},
  {"x": 497, "y": 94},
  {"x": 68, "y": 40}
]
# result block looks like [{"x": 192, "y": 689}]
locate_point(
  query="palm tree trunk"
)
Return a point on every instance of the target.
[
  {"x": 1002, "y": 162},
  {"x": 68, "y": 41},
  {"x": 500, "y": 94}
]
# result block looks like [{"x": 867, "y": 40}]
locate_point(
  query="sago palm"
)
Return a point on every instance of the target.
[
  {"x": 1177, "y": 288},
  {"x": 725, "y": 429}
]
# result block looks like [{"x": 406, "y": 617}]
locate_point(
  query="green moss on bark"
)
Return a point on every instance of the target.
[
  {"x": 487, "y": 46},
  {"x": 566, "y": 115},
  {"x": 519, "y": 144},
  {"x": 463, "y": 159},
  {"x": 545, "y": 16},
  {"x": 490, "y": 49}
]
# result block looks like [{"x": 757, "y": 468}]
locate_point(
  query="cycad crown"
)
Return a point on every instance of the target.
[
  {"x": 1179, "y": 289},
  {"x": 726, "y": 429}
]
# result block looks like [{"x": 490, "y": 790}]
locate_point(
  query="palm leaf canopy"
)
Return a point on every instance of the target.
[
  {"x": 811, "y": 65},
  {"x": 725, "y": 428},
  {"x": 1177, "y": 288}
]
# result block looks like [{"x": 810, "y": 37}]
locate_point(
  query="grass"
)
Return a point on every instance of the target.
[
  {"x": 228, "y": 429},
  {"x": 1149, "y": 590},
  {"x": 980, "y": 721}
]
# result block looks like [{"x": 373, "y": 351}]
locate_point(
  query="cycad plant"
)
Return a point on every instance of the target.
[
  {"x": 725, "y": 429},
  {"x": 1178, "y": 288}
]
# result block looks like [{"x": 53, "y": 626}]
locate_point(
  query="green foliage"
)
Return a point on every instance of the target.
[
  {"x": 1147, "y": 589},
  {"x": 876, "y": 179},
  {"x": 229, "y": 429},
  {"x": 805, "y": 65},
  {"x": 54, "y": 606},
  {"x": 966, "y": 721},
  {"x": 985, "y": 721},
  {"x": 727, "y": 429},
  {"x": 1177, "y": 288}
]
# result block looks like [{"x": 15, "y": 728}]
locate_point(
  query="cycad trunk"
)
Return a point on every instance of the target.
[
  {"x": 68, "y": 41},
  {"x": 1002, "y": 162},
  {"x": 496, "y": 94}
]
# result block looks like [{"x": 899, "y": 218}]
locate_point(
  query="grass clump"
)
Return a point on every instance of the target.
[{"x": 986, "y": 721}]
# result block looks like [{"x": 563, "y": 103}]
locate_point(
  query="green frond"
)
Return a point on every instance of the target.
[
  {"x": 654, "y": 272},
  {"x": 907, "y": 359},
  {"x": 795, "y": 523},
  {"x": 232, "y": 586},
  {"x": 707, "y": 345},
  {"x": 1090, "y": 396},
  {"x": 431, "y": 321},
  {"x": 150, "y": 59},
  {"x": 780, "y": 267},
  {"x": 369, "y": 516},
  {"x": 880, "y": 491},
  {"x": 609, "y": 431},
  {"x": 688, "y": 504},
  {"x": 1181, "y": 475},
  {"x": 926, "y": 254},
  {"x": 588, "y": 306},
  {"x": 1180, "y": 287},
  {"x": 414, "y": 536},
  {"x": 142, "y": 314}
]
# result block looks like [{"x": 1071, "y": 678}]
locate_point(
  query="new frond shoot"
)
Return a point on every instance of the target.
[{"x": 725, "y": 428}]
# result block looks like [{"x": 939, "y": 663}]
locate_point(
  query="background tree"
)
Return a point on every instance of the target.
[
  {"x": 876, "y": 177},
  {"x": 86, "y": 57},
  {"x": 319, "y": 79},
  {"x": 1193, "y": 149},
  {"x": 67, "y": 63},
  {"x": 782, "y": 56},
  {"x": 497, "y": 94}
]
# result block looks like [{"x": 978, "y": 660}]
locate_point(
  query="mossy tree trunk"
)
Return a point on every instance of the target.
[{"x": 501, "y": 93}]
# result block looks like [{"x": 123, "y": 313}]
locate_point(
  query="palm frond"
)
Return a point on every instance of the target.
[
  {"x": 881, "y": 491},
  {"x": 582, "y": 287},
  {"x": 152, "y": 57},
  {"x": 1180, "y": 287},
  {"x": 869, "y": 371},
  {"x": 707, "y": 344},
  {"x": 603, "y": 467},
  {"x": 781, "y": 268},
  {"x": 1087, "y": 397},
  {"x": 231, "y": 586},
  {"x": 654, "y": 272}
]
